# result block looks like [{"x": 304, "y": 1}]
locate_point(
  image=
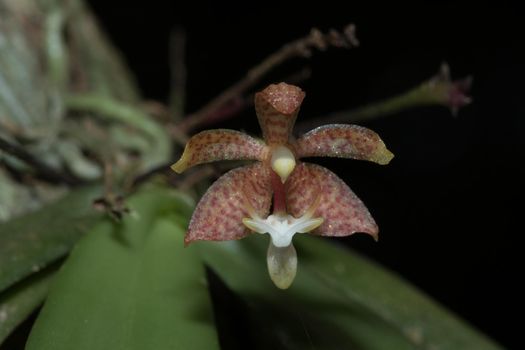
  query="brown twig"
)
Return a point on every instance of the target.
[
  {"x": 42, "y": 170},
  {"x": 238, "y": 104},
  {"x": 301, "y": 47}
]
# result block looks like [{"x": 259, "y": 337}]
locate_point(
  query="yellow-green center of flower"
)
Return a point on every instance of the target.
[{"x": 282, "y": 162}]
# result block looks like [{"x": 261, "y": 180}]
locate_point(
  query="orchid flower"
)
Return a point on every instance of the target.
[{"x": 306, "y": 197}]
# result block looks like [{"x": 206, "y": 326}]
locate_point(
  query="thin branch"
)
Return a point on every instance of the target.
[
  {"x": 42, "y": 170},
  {"x": 438, "y": 90},
  {"x": 301, "y": 47},
  {"x": 369, "y": 112}
]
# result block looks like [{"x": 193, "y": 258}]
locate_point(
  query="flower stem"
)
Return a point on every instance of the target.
[{"x": 438, "y": 90}]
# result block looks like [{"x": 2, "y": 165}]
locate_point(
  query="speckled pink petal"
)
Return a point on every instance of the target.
[
  {"x": 343, "y": 213},
  {"x": 220, "y": 144},
  {"x": 277, "y": 107},
  {"x": 343, "y": 141},
  {"x": 219, "y": 214}
]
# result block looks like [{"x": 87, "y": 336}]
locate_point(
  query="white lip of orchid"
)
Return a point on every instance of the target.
[
  {"x": 282, "y": 228},
  {"x": 282, "y": 162}
]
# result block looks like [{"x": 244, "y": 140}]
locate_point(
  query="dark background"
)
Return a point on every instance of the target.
[{"x": 450, "y": 204}]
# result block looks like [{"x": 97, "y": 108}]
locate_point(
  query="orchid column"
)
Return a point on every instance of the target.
[{"x": 306, "y": 197}]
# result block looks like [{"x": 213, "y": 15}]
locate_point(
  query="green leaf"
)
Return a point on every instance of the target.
[
  {"x": 17, "y": 303},
  {"x": 14, "y": 198},
  {"x": 131, "y": 286},
  {"x": 33, "y": 241},
  {"x": 338, "y": 301},
  {"x": 421, "y": 320}
]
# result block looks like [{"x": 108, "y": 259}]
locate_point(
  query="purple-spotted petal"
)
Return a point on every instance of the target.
[
  {"x": 343, "y": 213},
  {"x": 343, "y": 141},
  {"x": 237, "y": 194},
  {"x": 220, "y": 144},
  {"x": 277, "y": 107}
]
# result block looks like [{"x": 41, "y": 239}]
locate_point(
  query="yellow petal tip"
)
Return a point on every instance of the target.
[
  {"x": 383, "y": 156},
  {"x": 179, "y": 167}
]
